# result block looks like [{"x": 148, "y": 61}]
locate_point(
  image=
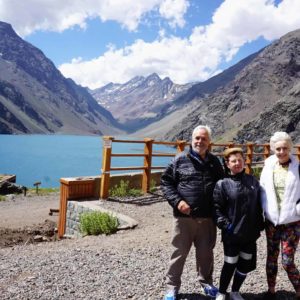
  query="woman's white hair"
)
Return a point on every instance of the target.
[
  {"x": 280, "y": 136},
  {"x": 205, "y": 127}
]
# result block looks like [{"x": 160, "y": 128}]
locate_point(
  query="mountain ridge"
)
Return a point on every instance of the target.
[
  {"x": 243, "y": 110},
  {"x": 135, "y": 107},
  {"x": 138, "y": 101},
  {"x": 36, "y": 98},
  {"x": 247, "y": 102}
]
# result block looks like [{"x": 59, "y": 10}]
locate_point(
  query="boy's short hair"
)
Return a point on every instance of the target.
[{"x": 227, "y": 152}]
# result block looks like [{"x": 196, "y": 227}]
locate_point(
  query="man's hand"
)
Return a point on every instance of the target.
[{"x": 184, "y": 208}]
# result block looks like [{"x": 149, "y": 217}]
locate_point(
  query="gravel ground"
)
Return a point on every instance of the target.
[{"x": 127, "y": 265}]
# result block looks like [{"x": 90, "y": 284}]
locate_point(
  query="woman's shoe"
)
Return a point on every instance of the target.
[
  {"x": 220, "y": 296},
  {"x": 236, "y": 296}
]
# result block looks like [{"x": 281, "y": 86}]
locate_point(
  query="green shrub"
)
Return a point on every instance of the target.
[
  {"x": 2, "y": 198},
  {"x": 135, "y": 192},
  {"x": 123, "y": 190},
  {"x": 42, "y": 191},
  {"x": 96, "y": 222},
  {"x": 256, "y": 171},
  {"x": 153, "y": 187}
]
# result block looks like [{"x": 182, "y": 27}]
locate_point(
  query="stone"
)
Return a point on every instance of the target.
[{"x": 7, "y": 187}]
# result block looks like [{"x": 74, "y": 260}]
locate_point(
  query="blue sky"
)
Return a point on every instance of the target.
[{"x": 95, "y": 42}]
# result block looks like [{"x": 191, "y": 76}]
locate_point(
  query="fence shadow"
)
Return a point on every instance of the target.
[{"x": 147, "y": 199}]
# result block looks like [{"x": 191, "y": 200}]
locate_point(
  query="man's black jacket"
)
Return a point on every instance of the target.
[{"x": 191, "y": 179}]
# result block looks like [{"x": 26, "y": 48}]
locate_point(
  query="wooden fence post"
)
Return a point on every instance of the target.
[
  {"x": 249, "y": 156},
  {"x": 64, "y": 196},
  {"x": 298, "y": 152},
  {"x": 267, "y": 151},
  {"x": 106, "y": 162},
  {"x": 180, "y": 145},
  {"x": 147, "y": 165}
]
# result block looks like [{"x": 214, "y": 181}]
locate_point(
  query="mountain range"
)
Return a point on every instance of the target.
[
  {"x": 140, "y": 101},
  {"x": 247, "y": 102},
  {"x": 261, "y": 96},
  {"x": 144, "y": 101}
]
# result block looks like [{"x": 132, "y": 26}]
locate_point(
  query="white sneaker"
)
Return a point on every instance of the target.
[
  {"x": 170, "y": 295},
  {"x": 220, "y": 296},
  {"x": 236, "y": 296}
]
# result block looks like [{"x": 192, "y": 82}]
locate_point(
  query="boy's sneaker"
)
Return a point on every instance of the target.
[
  {"x": 236, "y": 296},
  {"x": 210, "y": 290},
  {"x": 170, "y": 295},
  {"x": 220, "y": 296}
]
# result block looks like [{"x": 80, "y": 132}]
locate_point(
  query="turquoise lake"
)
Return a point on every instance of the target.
[{"x": 47, "y": 158}]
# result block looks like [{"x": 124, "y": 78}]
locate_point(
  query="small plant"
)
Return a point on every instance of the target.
[
  {"x": 256, "y": 171},
  {"x": 2, "y": 198},
  {"x": 152, "y": 186},
  {"x": 42, "y": 191},
  {"x": 95, "y": 223},
  {"x": 123, "y": 190}
]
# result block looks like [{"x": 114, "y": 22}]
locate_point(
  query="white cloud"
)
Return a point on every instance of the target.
[
  {"x": 173, "y": 57},
  {"x": 56, "y": 15},
  {"x": 237, "y": 22},
  {"x": 193, "y": 58},
  {"x": 196, "y": 57},
  {"x": 32, "y": 15},
  {"x": 174, "y": 11}
]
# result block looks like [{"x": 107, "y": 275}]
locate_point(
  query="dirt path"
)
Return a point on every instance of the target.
[
  {"x": 26, "y": 220},
  {"x": 19, "y": 211}
]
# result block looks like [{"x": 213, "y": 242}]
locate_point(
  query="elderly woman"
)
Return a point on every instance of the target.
[
  {"x": 280, "y": 194},
  {"x": 239, "y": 215}
]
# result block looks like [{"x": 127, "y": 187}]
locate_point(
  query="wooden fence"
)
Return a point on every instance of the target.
[
  {"x": 88, "y": 187},
  {"x": 254, "y": 154}
]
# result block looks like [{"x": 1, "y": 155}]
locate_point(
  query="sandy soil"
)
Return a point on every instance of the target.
[
  {"x": 26, "y": 220},
  {"x": 18, "y": 211}
]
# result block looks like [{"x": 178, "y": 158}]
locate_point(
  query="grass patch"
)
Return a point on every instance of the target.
[
  {"x": 2, "y": 198},
  {"x": 95, "y": 223},
  {"x": 153, "y": 186},
  {"x": 43, "y": 191},
  {"x": 123, "y": 190},
  {"x": 256, "y": 171}
]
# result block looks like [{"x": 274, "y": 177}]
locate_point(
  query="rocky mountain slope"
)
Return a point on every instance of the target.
[
  {"x": 36, "y": 98},
  {"x": 139, "y": 101},
  {"x": 174, "y": 112},
  {"x": 263, "y": 97},
  {"x": 143, "y": 102}
]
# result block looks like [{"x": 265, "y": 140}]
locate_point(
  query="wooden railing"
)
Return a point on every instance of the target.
[
  {"x": 88, "y": 187},
  {"x": 147, "y": 155},
  {"x": 254, "y": 154}
]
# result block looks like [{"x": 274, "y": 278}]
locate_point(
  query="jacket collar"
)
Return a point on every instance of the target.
[
  {"x": 197, "y": 157},
  {"x": 237, "y": 177}
]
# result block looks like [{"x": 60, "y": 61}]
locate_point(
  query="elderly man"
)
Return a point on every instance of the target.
[{"x": 188, "y": 183}]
